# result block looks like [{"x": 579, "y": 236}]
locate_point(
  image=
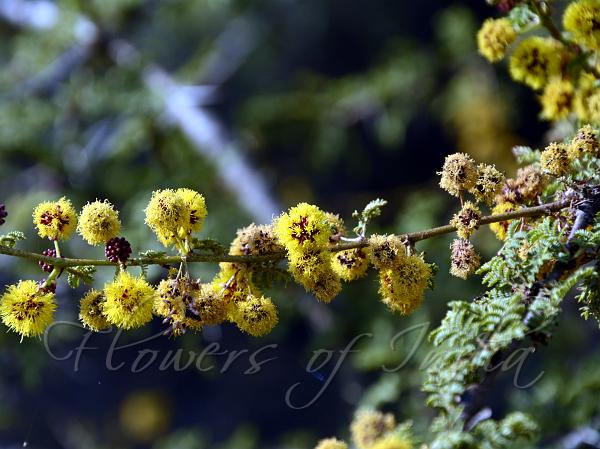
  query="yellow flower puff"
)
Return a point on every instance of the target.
[
  {"x": 166, "y": 213},
  {"x": 208, "y": 305},
  {"x": 494, "y": 37},
  {"x": 27, "y": 309},
  {"x": 465, "y": 259},
  {"x": 535, "y": 61},
  {"x": 499, "y": 228},
  {"x": 488, "y": 183},
  {"x": 581, "y": 19},
  {"x": 466, "y": 220},
  {"x": 256, "y": 315},
  {"x": 196, "y": 211},
  {"x": 55, "y": 220},
  {"x": 369, "y": 426},
  {"x": 392, "y": 442},
  {"x": 458, "y": 174},
  {"x": 350, "y": 264},
  {"x": 304, "y": 227},
  {"x": 403, "y": 286},
  {"x": 385, "y": 251},
  {"x": 585, "y": 141},
  {"x": 314, "y": 272},
  {"x": 586, "y": 88},
  {"x": 555, "y": 159},
  {"x": 90, "y": 311},
  {"x": 129, "y": 301},
  {"x": 557, "y": 99},
  {"x": 255, "y": 240},
  {"x": 98, "y": 222},
  {"x": 331, "y": 443}
]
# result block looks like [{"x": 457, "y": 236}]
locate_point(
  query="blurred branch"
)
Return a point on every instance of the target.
[{"x": 182, "y": 104}]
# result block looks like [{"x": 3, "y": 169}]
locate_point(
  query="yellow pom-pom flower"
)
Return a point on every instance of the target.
[
  {"x": 55, "y": 220},
  {"x": 494, "y": 38},
  {"x": 233, "y": 283},
  {"x": 465, "y": 259},
  {"x": 208, "y": 305},
  {"x": 586, "y": 88},
  {"x": 98, "y": 222},
  {"x": 166, "y": 214},
  {"x": 90, "y": 311},
  {"x": 350, "y": 264},
  {"x": 488, "y": 183},
  {"x": 195, "y": 214},
  {"x": 403, "y": 286},
  {"x": 555, "y": 159},
  {"x": 392, "y": 442},
  {"x": 557, "y": 99},
  {"x": 369, "y": 425},
  {"x": 581, "y": 19},
  {"x": 585, "y": 141},
  {"x": 129, "y": 301},
  {"x": 256, "y": 315},
  {"x": 305, "y": 227},
  {"x": 459, "y": 174},
  {"x": 331, "y": 443},
  {"x": 499, "y": 228},
  {"x": 535, "y": 61},
  {"x": 27, "y": 309},
  {"x": 314, "y": 272},
  {"x": 466, "y": 220}
]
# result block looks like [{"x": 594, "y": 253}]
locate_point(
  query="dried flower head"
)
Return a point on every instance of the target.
[
  {"x": 535, "y": 61},
  {"x": 173, "y": 301},
  {"x": 98, "y": 222},
  {"x": 167, "y": 213},
  {"x": 256, "y": 315},
  {"x": 526, "y": 187},
  {"x": 350, "y": 264},
  {"x": 466, "y": 220},
  {"x": 459, "y": 174},
  {"x": 488, "y": 183},
  {"x": 255, "y": 240},
  {"x": 369, "y": 425},
  {"x": 557, "y": 99},
  {"x": 585, "y": 141},
  {"x": 90, "y": 311},
  {"x": 129, "y": 301},
  {"x": 555, "y": 159},
  {"x": 581, "y": 19},
  {"x": 465, "y": 259},
  {"x": 55, "y": 220},
  {"x": 494, "y": 37},
  {"x": 27, "y": 309},
  {"x": 385, "y": 251},
  {"x": 331, "y": 443}
]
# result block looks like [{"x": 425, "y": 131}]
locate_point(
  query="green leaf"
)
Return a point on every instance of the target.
[
  {"x": 371, "y": 211},
  {"x": 79, "y": 274},
  {"x": 523, "y": 18}
]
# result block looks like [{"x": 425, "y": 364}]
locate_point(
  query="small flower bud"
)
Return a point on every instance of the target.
[
  {"x": 46, "y": 267},
  {"x": 117, "y": 250}
]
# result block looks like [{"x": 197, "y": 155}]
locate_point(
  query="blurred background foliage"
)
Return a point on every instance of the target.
[{"x": 258, "y": 105}]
